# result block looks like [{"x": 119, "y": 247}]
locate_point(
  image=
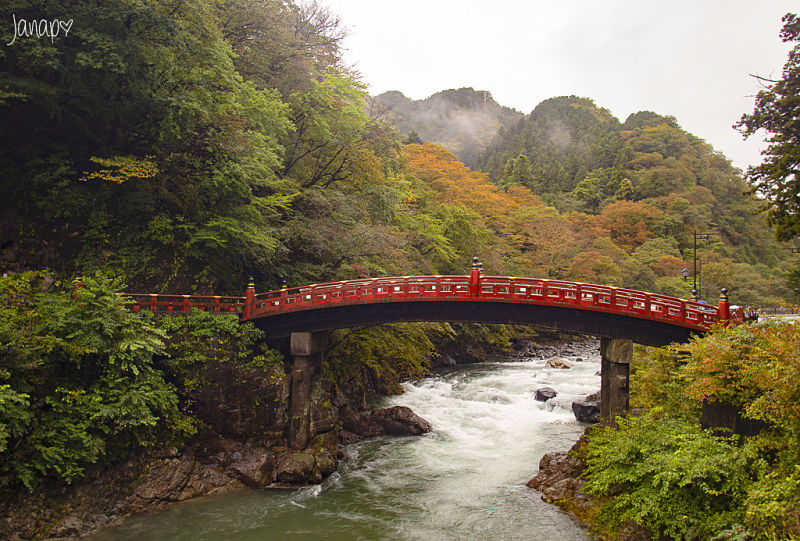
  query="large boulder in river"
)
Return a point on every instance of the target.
[
  {"x": 557, "y": 362},
  {"x": 587, "y": 410},
  {"x": 401, "y": 421},
  {"x": 545, "y": 393},
  {"x": 397, "y": 421}
]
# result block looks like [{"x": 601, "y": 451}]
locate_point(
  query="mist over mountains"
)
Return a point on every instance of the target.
[{"x": 463, "y": 121}]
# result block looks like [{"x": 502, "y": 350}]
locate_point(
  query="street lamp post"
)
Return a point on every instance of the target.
[
  {"x": 700, "y": 277},
  {"x": 695, "y": 289}
]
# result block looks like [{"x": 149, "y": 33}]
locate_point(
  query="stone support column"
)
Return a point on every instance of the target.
[
  {"x": 615, "y": 358},
  {"x": 307, "y": 348}
]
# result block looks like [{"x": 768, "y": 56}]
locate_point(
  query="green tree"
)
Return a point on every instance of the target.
[
  {"x": 77, "y": 381},
  {"x": 777, "y": 111},
  {"x": 413, "y": 138}
]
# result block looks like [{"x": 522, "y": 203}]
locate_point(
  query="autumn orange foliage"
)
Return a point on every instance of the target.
[{"x": 455, "y": 184}]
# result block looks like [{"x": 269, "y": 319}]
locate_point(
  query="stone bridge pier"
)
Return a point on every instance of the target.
[
  {"x": 307, "y": 349},
  {"x": 615, "y": 359}
]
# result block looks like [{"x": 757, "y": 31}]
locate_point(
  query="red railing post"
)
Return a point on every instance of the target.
[
  {"x": 475, "y": 278},
  {"x": 723, "y": 310},
  {"x": 249, "y": 299}
]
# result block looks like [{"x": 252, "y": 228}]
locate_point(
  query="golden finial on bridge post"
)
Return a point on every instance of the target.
[
  {"x": 723, "y": 309},
  {"x": 249, "y": 297},
  {"x": 475, "y": 277}
]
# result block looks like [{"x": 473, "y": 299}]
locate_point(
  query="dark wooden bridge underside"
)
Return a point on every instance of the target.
[{"x": 565, "y": 319}]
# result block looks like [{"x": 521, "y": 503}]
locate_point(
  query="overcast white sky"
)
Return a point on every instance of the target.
[{"x": 689, "y": 59}]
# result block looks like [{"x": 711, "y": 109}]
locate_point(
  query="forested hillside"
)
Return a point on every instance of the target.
[
  {"x": 463, "y": 121},
  {"x": 653, "y": 176},
  {"x": 187, "y": 145}
]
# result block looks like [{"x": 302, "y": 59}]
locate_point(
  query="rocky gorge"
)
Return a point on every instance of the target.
[{"x": 241, "y": 443}]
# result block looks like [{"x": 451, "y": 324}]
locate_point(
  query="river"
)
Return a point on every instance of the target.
[{"x": 463, "y": 481}]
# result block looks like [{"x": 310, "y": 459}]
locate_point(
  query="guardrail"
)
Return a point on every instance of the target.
[{"x": 158, "y": 303}]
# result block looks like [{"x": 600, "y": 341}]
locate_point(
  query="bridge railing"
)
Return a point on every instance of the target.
[
  {"x": 154, "y": 302},
  {"x": 490, "y": 288}
]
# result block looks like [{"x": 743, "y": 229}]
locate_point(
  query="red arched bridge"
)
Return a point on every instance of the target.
[
  {"x": 604, "y": 311},
  {"x": 306, "y": 314}
]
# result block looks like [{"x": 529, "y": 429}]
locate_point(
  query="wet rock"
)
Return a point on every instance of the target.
[
  {"x": 295, "y": 467},
  {"x": 253, "y": 467},
  {"x": 207, "y": 480},
  {"x": 545, "y": 393},
  {"x": 69, "y": 527},
  {"x": 559, "y": 480},
  {"x": 578, "y": 359},
  {"x": 524, "y": 347},
  {"x": 587, "y": 410},
  {"x": 357, "y": 426},
  {"x": 346, "y": 438},
  {"x": 239, "y": 402},
  {"x": 401, "y": 421},
  {"x": 325, "y": 461},
  {"x": 557, "y": 362},
  {"x": 396, "y": 421},
  {"x": 166, "y": 479}
]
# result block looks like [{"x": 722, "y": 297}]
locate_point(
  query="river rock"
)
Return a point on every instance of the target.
[
  {"x": 253, "y": 467},
  {"x": 587, "y": 410},
  {"x": 545, "y": 393},
  {"x": 325, "y": 461},
  {"x": 295, "y": 467},
  {"x": 401, "y": 421},
  {"x": 69, "y": 527},
  {"x": 396, "y": 421},
  {"x": 557, "y": 362},
  {"x": 559, "y": 479},
  {"x": 558, "y": 474}
]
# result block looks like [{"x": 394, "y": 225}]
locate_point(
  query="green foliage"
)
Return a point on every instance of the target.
[
  {"x": 385, "y": 354},
  {"x": 772, "y": 508},
  {"x": 79, "y": 386},
  {"x": 201, "y": 341},
  {"x": 669, "y": 476},
  {"x": 661, "y": 471},
  {"x": 776, "y": 111},
  {"x": 757, "y": 369}
]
